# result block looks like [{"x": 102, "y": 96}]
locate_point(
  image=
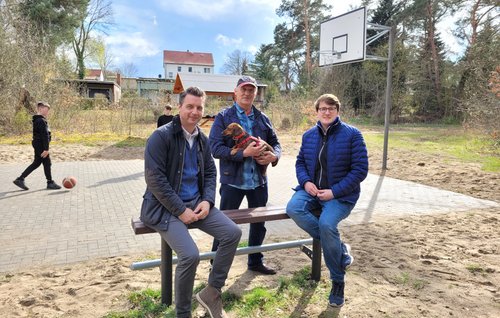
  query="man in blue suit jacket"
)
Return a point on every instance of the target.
[{"x": 331, "y": 164}]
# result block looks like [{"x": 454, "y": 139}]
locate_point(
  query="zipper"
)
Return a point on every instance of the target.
[{"x": 319, "y": 159}]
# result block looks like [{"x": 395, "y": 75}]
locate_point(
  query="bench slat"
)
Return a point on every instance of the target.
[{"x": 239, "y": 216}]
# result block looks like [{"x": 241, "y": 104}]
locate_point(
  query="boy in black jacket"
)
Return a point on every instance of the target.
[{"x": 40, "y": 142}]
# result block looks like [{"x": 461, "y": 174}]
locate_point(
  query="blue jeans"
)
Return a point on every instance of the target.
[
  {"x": 231, "y": 198},
  {"x": 300, "y": 208}
]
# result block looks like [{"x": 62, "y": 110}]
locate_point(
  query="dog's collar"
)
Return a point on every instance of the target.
[
  {"x": 244, "y": 141},
  {"x": 239, "y": 136}
]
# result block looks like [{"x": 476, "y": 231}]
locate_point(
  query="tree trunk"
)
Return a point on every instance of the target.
[
  {"x": 474, "y": 23},
  {"x": 431, "y": 26},
  {"x": 308, "y": 41}
]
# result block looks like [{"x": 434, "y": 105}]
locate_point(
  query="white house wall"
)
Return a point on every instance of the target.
[{"x": 172, "y": 69}]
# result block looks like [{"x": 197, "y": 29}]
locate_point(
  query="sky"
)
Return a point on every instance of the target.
[{"x": 142, "y": 30}]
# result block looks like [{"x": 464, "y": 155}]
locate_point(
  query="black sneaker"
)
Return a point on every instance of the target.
[
  {"x": 336, "y": 298},
  {"x": 20, "y": 183},
  {"x": 51, "y": 185}
]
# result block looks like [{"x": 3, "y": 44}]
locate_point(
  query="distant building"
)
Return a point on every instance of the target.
[
  {"x": 146, "y": 87},
  {"x": 97, "y": 84},
  {"x": 99, "y": 75},
  {"x": 89, "y": 88},
  {"x": 216, "y": 85},
  {"x": 187, "y": 62}
]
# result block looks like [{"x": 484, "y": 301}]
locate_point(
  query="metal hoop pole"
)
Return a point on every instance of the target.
[{"x": 388, "y": 96}]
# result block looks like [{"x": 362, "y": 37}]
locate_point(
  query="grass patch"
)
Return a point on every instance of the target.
[
  {"x": 297, "y": 290},
  {"x": 145, "y": 303},
  {"x": 150, "y": 256},
  {"x": 92, "y": 140},
  {"x": 475, "y": 269},
  {"x": 451, "y": 141},
  {"x": 132, "y": 142},
  {"x": 405, "y": 279},
  {"x": 243, "y": 244},
  {"x": 277, "y": 302}
]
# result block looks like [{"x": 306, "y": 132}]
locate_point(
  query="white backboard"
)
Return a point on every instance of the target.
[{"x": 343, "y": 38}]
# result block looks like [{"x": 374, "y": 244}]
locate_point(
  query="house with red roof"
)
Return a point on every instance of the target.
[{"x": 187, "y": 62}]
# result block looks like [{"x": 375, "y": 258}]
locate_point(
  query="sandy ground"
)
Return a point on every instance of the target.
[{"x": 444, "y": 265}]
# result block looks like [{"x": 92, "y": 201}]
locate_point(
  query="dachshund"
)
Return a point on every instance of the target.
[{"x": 243, "y": 140}]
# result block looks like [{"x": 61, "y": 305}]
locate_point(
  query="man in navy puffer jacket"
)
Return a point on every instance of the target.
[{"x": 331, "y": 164}]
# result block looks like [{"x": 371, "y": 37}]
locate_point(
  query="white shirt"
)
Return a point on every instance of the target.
[{"x": 190, "y": 137}]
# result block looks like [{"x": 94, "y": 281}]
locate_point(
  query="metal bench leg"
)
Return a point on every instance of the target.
[
  {"x": 315, "y": 256},
  {"x": 166, "y": 273},
  {"x": 316, "y": 260}
]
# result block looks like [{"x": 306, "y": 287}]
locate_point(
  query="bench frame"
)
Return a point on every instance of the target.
[{"x": 239, "y": 216}]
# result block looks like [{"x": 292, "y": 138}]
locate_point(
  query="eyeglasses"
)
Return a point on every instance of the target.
[{"x": 325, "y": 109}]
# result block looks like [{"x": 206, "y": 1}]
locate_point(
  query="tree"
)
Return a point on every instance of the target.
[
  {"x": 421, "y": 18},
  {"x": 477, "y": 93},
  {"x": 287, "y": 55},
  {"x": 99, "y": 54},
  {"x": 427, "y": 80},
  {"x": 303, "y": 20},
  {"x": 53, "y": 21},
  {"x": 366, "y": 82},
  {"x": 264, "y": 68},
  {"x": 28, "y": 68},
  {"x": 98, "y": 18},
  {"x": 128, "y": 70},
  {"x": 237, "y": 63},
  {"x": 481, "y": 13}
]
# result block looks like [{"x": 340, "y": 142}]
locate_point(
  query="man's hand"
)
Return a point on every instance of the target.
[
  {"x": 266, "y": 158},
  {"x": 188, "y": 216},
  {"x": 202, "y": 210},
  {"x": 325, "y": 195},
  {"x": 44, "y": 154},
  {"x": 311, "y": 188},
  {"x": 253, "y": 150}
]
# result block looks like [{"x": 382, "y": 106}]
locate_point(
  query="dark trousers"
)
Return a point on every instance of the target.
[
  {"x": 231, "y": 198},
  {"x": 38, "y": 161}
]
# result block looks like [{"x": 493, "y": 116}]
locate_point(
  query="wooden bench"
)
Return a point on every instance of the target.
[{"x": 239, "y": 216}]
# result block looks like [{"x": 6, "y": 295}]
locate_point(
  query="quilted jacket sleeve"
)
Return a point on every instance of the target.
[{"x": 358, "y": 169}]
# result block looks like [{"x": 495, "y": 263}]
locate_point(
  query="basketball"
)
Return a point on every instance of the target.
[{"x": 69, "y": 182}]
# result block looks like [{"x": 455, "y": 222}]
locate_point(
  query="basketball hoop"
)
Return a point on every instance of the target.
[
  {"x": 343, "y": 38},
  {"x": 329, "y": 57}
]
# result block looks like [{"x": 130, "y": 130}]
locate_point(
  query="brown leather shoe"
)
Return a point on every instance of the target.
[
  {"x": 263, "y": 269},
  {"x": 210, "y": 299}
]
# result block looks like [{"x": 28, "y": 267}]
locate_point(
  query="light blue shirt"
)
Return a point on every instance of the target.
[{"x": 250, "y": 176}]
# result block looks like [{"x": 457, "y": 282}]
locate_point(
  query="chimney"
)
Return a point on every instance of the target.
[{"x": 118, "y": 79}]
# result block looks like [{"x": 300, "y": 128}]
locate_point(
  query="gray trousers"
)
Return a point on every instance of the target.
[{"x": 216, "y": 224}]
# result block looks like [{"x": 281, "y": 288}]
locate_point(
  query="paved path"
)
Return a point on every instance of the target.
[{"x": 93, "y": 220}]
